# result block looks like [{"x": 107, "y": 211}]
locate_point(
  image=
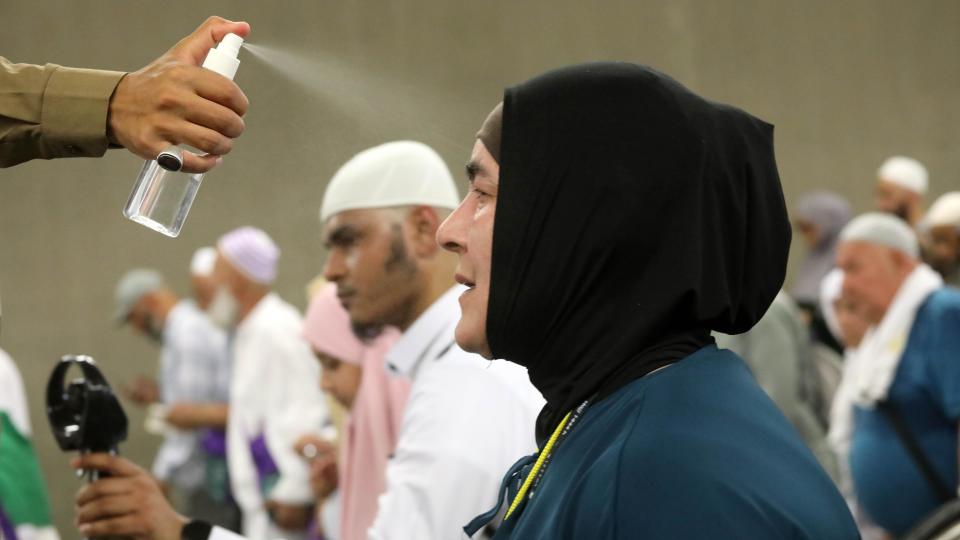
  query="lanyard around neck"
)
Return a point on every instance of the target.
[{"x": 536, "y": 473}]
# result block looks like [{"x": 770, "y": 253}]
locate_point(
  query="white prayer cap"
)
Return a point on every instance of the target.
[
  {"x": 252, "y": 252},
  {"x": 401, "y": 173},
  {"x": 201, "y": 265},
  {"x": 945, "y": 211},
  {"x": 905, "y": 172},
  {"x": 882, "y": 229}
]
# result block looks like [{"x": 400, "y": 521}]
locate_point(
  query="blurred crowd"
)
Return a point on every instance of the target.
[{"x": 276, "y": 424}]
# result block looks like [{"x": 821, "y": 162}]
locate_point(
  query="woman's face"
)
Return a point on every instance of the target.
[
  {"x": 339, "y": 379},
  {"x": 468, "y": 232}
]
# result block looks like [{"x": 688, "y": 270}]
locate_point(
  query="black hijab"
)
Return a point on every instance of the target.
[{"x": 633, "y": 217}]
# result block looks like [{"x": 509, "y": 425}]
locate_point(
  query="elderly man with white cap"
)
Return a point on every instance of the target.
[
  {"x": 904, "y": 378},
  {"x": 941, "y": 226},
  {"x": 273, "y": 393},
  {"x": 901, "y": 185},
  {"x": 467, "y": 419},
  {"x": 194, "y": 378}
]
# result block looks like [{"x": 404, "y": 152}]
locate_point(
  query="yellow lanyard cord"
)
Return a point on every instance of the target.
[{"x": 536, "y": 466}]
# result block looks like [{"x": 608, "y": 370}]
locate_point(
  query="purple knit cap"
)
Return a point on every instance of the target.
[{"x": 252, "y": 252}]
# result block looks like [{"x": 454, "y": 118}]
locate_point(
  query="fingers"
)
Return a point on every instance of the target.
[
  {"x": 307, "y": 440},
  {"x": 106, "y": 507},
  {"x": 124, "y": 526},
  {"x": 221, "y": 90},
  {"x": 106, "y": 487},
  {"x": 194, "y": 164},
  {"x": 217, "y": 118},
  {"x": 203, "y": 139},
  {"x": 174, "y": 102},
  {"x": 323, "y": 467},
  {"x": 203, "y": 112},
  {"x": 193, "y": 48},
  {"x": 128, "y": 504},
  {"x": 326, "y": 448},
  {"x": 220, "y": 27},
  {"x": 175, "y": 85},
  {"x": 113, "y": 465}
]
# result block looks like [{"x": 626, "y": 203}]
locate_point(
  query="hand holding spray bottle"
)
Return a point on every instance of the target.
[{"x": 162, "y": 196}]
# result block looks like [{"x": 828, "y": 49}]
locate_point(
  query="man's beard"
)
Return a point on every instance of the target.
[
  {"x": 902, "y": 211},
  {"x": 399, "y": 271},
  {"x": 401, "y": 268},
  {"x": 399, "y": 260},
  {"x": 367, "y": 332}
]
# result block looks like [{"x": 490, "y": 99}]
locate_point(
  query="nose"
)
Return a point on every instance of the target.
[
  {"x": 335, "y": 268},
  {"x": 452, "y": 234}
]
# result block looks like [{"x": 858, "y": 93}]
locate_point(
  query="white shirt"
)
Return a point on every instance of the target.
[
  {"x": 467, "y": 421},
  {"x": 274, "y": 393},
  {"x": 194, "y": 368}
]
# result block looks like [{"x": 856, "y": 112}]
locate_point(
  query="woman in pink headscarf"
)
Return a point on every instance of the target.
[{"x": 355, "y": 375}]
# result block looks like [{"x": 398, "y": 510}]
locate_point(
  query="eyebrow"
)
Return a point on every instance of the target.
[
  {"x": 473, "y": 170},
  {"x": 342, "y": 235}
]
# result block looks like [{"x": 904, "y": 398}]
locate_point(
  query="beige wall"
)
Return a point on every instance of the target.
[{"x": 847, "y": 83}]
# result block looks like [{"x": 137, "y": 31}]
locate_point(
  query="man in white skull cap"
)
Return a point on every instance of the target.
[
  {"x": 941, "y": 226},
  {"x": 901, "y": 185},
  {"x": 904, "y": 379},
  {"x": 467, "y": 419}
]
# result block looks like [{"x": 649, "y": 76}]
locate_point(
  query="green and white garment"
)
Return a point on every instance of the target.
[{"x": 24, "y": 508}]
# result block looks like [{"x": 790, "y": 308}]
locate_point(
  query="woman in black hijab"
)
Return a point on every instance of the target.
[{"x": 615, "y": 219}]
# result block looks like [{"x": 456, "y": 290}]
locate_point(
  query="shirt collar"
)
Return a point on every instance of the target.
[
  {"x": 439, "y": 319},
  {"x": 265, "y": 305}
]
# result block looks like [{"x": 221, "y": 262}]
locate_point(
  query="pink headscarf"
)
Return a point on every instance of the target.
[{"x": 373, "y": 426}]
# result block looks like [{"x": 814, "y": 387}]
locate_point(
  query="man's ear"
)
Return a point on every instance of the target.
[
  {"x": 913, "y": 197},
  {"x": 422, "y": 223},
  {"x": 902, "y": 262}
]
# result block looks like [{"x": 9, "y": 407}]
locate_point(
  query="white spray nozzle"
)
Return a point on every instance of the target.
[
  {"x": 230, "y": 44},
  {"x": 223, "y": 59}
]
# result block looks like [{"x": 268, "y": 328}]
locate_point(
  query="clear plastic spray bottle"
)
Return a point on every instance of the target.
[{"x": 162, "y": 198}]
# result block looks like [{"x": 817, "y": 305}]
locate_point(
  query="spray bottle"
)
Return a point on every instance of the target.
[{"x": 162, "y": 196}]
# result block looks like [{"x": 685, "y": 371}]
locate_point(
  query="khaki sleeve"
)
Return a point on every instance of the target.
[{"x": 52, "y": 111}]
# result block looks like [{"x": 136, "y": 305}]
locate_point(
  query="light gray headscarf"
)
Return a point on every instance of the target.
[{"x": 830, "y": 212}]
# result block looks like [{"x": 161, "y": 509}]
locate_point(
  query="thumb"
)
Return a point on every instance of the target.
[{"x": 193, "y": 48}]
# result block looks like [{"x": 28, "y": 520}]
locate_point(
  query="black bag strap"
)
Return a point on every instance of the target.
[{"x": 942, "y": 491}]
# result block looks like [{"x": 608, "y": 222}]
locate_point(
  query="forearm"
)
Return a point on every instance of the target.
[
  {"x": 51, "y": 111},
  {"x": 199, "y": 415},
  {"x": 214, "y": 415}
]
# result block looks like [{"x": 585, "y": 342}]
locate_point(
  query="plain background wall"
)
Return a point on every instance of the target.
[{"x": 846, "y": 83}]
